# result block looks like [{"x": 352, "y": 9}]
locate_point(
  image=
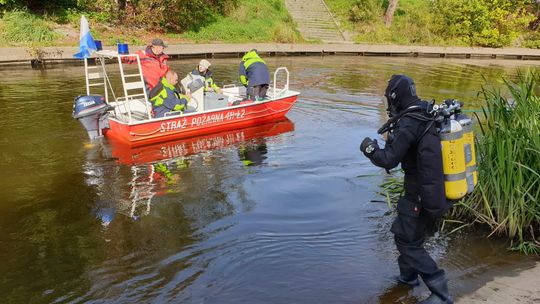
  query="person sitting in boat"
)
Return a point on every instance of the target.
[
  {"x": 153, "y": 62},
  {"x": 202, "y": 75},
  {"x": 254, "y": 75},
  {"x": 167, "y": 98}
]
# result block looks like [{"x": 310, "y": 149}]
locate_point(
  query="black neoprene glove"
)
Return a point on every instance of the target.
[{"x": 369, "y": 146}]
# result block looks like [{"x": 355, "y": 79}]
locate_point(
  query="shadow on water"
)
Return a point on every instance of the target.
[{"x": 276, "y": 213}]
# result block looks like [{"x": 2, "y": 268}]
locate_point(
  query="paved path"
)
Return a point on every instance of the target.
[
  {"x": 314, "y": 20},
  {"x": 24, "y": 56},
  {"x": 523, "y": 288}
]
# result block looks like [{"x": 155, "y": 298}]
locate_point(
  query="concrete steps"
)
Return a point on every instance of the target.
[{"x": 314, "y": 21}]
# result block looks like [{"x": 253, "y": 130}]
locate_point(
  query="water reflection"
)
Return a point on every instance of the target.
[
  {"x": 185, "y": 147},
  {"x": 151, "y": 206},
  {"x": 160, "y": 169}
]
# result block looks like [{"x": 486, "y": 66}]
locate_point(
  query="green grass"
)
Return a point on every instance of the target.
[
  {"x": 21, "y": 28},
  {"x": 507, "y": 197},
  {"x": 411, "y": 24},
  {"x": 250, "y": 21}
]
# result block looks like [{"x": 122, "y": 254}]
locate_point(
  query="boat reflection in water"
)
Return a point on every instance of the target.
[
  {"x": 133, "y": 177},
  {"x": 184, "y": 147}
]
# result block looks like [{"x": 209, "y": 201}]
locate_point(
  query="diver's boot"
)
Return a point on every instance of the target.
[
  {"x": 439, "y": 291},
  {"x": 407, "y": 275},
  {"x": 410, "y": 281}
]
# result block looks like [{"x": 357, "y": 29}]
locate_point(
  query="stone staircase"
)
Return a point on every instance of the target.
[{"x": 314, "y": 21}]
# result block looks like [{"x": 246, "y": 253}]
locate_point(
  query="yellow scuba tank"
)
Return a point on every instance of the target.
[
  {"x": 470, "y": 151},
  {"x": 452, "y": 144}
]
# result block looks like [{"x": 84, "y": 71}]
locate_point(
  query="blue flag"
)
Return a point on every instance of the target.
[{"x": 86, "y": 42}]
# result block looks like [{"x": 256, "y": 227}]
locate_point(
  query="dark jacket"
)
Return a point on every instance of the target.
[
  {"x": 253, "y": 70},
  {"x": 416, "y": 145},
  {"x": 167, "y": 99}
]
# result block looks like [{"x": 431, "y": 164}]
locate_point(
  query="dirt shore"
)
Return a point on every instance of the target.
[{"x": 522, "y": 288}]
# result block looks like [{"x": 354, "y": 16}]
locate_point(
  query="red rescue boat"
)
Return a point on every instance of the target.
[{"x": 128, "y": 119}]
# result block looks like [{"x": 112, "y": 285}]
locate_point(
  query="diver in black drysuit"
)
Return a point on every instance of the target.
[{"x": 413, "y": 141}]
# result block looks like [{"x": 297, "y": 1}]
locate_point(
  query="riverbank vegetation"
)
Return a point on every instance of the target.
[
  {"x": 489, "y": 23},
  {"x": 42, "y": 23},
  {"x": 507, "y": 197}
]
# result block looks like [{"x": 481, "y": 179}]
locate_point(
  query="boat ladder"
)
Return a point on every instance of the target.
[{"x": 133, "y": 85}]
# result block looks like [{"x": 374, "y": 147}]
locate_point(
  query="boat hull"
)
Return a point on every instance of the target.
[{"x": 196, "y": 124}]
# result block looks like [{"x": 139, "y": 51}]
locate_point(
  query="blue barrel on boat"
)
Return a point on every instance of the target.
[
  {"x": 123, "y": 48},
  {"x": 99, "y": 46}
]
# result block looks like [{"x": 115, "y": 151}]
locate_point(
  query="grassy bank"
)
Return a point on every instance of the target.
[
  {"x": 507, "y": 197},
  {"x": 442, "y": 22},
  {"x": 20, "y": 28},
  {"x": 247, "y": 21},
  {"x": 251, "y": 21}
]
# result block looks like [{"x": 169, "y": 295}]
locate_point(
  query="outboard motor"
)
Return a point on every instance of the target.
[{"x": 91, "y": 111}]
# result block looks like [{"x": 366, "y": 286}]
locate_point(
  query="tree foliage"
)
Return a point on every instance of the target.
[
  {"x": 175, "y": 15},
  {"x": 492, "y": 23},
  {"x": 483, "y": 22}
]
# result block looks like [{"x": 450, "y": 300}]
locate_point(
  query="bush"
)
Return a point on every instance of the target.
[
  {"x": 38, "y": 5},
  {"x": 366, "y": 11},
  {"x": 491, "y": 23},
  {"x": 160, "y": 15},
  {"x": 284, "y": 34},
  {"x": 532, "y": 40}
]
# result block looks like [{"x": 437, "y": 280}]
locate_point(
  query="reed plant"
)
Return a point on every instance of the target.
[{"x": 507, "y": 197}]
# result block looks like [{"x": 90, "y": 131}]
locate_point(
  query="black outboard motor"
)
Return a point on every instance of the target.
[{"x": 91, "y": 111}]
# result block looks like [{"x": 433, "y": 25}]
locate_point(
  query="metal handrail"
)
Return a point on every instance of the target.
[
  {"x": 127, "y": 97},
  {"x": 286, "y": 88}
]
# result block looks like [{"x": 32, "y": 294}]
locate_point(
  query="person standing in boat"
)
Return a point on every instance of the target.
[
  {"x": 413, "y": 141},
  {"x": 254, "y": 75},
  {"x": 167, "y": 98},
  {"x": 202, "y": 75},
  {"x": 153, "y": 63}
]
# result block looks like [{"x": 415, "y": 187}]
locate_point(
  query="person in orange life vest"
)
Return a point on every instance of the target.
[{"x": 153, "y": 63}]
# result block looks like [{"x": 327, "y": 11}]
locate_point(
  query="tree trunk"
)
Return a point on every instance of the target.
[{"x": 392, "y": 5}]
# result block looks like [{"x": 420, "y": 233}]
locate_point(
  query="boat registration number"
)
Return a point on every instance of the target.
[{"x": 202, "y": 120}]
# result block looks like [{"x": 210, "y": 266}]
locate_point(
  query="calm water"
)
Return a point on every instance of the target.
[{"x": 283, "y": 213}]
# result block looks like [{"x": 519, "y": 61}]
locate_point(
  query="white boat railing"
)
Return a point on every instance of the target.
[
  {"x": 230, "y": 89},
  {"x": 275, "y": 93},
  {"x": 128, "y": 85}
]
